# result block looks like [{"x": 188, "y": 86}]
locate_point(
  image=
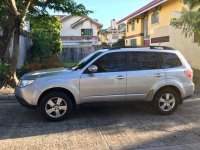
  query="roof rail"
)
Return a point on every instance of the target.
[
  {"x": 163, "y": 47},
  {"x": 151, "y": 47},
  {"x": 119, "y": 47}
]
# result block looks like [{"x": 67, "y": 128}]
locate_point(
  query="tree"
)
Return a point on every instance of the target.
[
  {"x": 12, "y": 16},
  {"x": 189, "y": 21},
  {"x": 46, "y": 36}
]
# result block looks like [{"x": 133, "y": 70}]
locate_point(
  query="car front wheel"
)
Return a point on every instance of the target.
[{"x": 56, "y": 106}]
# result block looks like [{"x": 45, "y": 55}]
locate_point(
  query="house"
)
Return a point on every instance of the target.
[
  {"x": 150, "y": 25},
  {"x": 112, "y": 34},
  {"x": 79, "y": 30},
  {"x": 79, "y": 34}
]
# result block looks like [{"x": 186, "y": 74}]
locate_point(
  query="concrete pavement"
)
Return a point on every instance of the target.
[{"x": 99, "y": 127}]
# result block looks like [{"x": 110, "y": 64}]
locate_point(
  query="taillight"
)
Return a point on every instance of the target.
[{"x": 189, "y": 73}]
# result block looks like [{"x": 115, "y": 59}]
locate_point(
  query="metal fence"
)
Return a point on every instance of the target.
[{"x": 76, "y": 53}]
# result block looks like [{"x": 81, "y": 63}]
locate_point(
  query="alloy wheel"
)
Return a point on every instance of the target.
[
  {"x": 167, "y": 102},
  {"x": 56, "y": 107}
]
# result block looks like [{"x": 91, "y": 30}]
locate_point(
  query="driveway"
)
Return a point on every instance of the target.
[{"x": 99, "y": 127}]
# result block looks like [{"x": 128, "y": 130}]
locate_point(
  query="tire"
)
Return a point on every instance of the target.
[
  {"x": 56, "y": 106},
  {"x": 166, "y": 101}
]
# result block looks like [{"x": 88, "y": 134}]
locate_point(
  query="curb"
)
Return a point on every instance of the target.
[{"x": 7, "y": 97}]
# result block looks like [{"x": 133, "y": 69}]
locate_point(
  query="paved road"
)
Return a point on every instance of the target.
[{"x": 99, "y": 127}]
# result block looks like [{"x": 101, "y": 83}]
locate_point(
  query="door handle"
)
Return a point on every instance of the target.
[
  {"x": 159, "y": 75},
  {"x": 120, "y": 77}
]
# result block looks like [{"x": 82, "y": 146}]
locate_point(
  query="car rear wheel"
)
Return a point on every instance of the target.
[
  {"x": 56, "y": 106},
  {"x": 166, "y": 101}
]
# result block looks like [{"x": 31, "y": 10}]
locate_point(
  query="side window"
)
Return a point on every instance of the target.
[
  {"x": 155, "y": 17},
  {"x": 170, "y": 60},
  {"x": 134, "y": 42},
  {"x": 87, "y": 32},
  {"x": 127, "y": 27},
  {"x": 133, "y": 25},
  {"x": 143, "y": 61},
  {"x": 112, "y": 62}
]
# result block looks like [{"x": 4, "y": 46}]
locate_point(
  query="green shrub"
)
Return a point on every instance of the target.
[
  {"x": 120, "y": 42},
  {"x": 4, "y": 71},
  {"x": 4, "y": 74},
  {"x": 68, "y": 64},
  {"x": 39, "y": 64}
]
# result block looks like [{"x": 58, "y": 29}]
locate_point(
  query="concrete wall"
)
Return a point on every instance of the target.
[
  {"x": 185, "y": 45},
  {"x": 24, "y": 44},
  {"x": 75, "y": 53}
]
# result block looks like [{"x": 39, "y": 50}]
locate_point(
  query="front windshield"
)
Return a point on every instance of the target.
[{"x": 86, "y": 60}]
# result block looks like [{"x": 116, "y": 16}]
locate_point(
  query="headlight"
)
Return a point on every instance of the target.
[{"x": 23, "y": 83}]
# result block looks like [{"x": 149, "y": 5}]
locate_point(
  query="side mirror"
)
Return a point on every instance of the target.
[{"x": 93, "y": 68}]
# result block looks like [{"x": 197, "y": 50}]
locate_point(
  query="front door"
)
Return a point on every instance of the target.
[{"x": 108, "y": 83}]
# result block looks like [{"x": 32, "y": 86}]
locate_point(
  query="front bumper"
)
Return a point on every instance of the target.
[
  {"x": 24, "y": 102},
  {"x": 25, "y": 96}
]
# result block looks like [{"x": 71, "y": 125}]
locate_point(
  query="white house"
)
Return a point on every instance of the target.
[
  {"x": 79, "y": 30},
  {"x": 79, "y": 36}
]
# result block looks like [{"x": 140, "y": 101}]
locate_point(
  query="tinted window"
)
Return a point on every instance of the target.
[
  {"x": 112, "y": 62},
  {"x": 143, "y": 61},
  {"x": 170, "y": 60}
]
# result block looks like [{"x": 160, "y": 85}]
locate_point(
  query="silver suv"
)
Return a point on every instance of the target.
[{"x": 157, "y": 74}]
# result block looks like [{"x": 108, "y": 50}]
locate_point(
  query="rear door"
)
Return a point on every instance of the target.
[
  {"x": 144, "y": 73},
  {"x": 174, "y": 68}
]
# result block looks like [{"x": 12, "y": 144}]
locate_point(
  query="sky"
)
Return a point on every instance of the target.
[{"x": 106, "y": 10}]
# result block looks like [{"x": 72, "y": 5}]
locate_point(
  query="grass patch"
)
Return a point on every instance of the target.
[{"x": 197, "y": 80}]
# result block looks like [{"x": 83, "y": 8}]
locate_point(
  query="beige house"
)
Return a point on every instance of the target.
[
  {"x": 150, "y": 25},
  {"x": 112, "y": 34}
]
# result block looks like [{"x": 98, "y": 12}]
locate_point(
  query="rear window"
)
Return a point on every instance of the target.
[
  {"x": 143, "y": 61},
  {"x": 170, "y": 60}
]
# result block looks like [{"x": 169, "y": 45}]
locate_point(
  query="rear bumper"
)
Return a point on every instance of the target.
[
  {"x": 188, "y": 91},
  {"x": 187, "y": 97}
]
